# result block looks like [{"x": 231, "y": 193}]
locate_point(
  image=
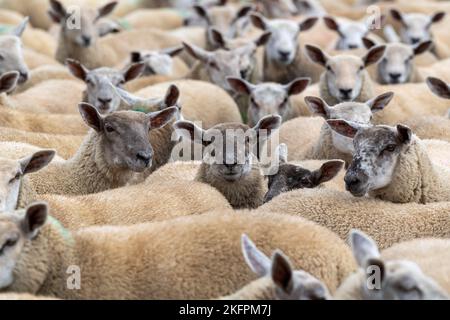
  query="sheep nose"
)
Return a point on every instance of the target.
[
  {"x": 145, "y": 157},
  {"x": 414, "y": 40},
  {"x": 352, "y": 180},
  {"x": 395, "y": 76},
  {"x": 353, "y": 46},
  {"x": 345, "y": 92},
  {"x": 104, "y": 101},
  {"x": 86, "y": 40},
  {"x": 243, "y": 74},
  {"x": 284, "y": 54},
  {"x": 23, "y": 77}
]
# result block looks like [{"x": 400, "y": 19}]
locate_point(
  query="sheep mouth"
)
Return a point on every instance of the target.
[
  {"x": 139, "y": 165},
  {"x": 357, "y": 191},
  {"x": 231, "y": 177}
]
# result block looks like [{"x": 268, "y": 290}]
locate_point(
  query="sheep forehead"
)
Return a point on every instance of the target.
[
  {"x": 353, "y": 27},
  {"x": 345, "y": 64},
  {"x": 279, "y": 26},
  {"x": 9, "y": 222},
  {"x": 105, "y": 74},
  {"x": 127, "y": 119},
  {"x": 351, "y": 111},
  {"x": 374, "y": 138},
  {"x": 228, "y": 127},
  {"x": 269, "y": 93},
  {"x": 416, "y": 20},
  {"x": 221, "y": 15},
  {"x": 398, "y": 49}
]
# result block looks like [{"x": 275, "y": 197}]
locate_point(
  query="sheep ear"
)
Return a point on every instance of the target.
[
  {"x": 197, "y": 52},
  {"x": 316, "y": 55},
  {"x": 172, "y": 96},
  {"x": 363, "y": 247},
  {"x": 77, "y": 69},
  {"x": 174, "y": 51},
  {"x": 189, "y": 130},
  {"x": 345, "y": 128},
  {"x": 107, "y": 9},
  {"x": 317, "y": 106},
  {"x": 263, "y": 39},
  {"x": 240, "y": 85},
  {"x": 268, "y": 124},
  {"x": 36, "y": 161},
  {"x": 439, "y": 87},
  {"x": 258, "y": 21},
  {"x": 380, "y": 102},
  {"x": 160, "y": 118},
  {"x": 329, "y": 170},
  {"x": 331, "y": 24},
  {"x": 282, "y": 151},
  {"x": 368, "y": 43},
  {"x": 18, "y": 31},
  {"x": 218, "y": 38},
  {"x": 258, "y": 262},
  {"x": 202, "y": 12},
  {"x": 404, "y": 133},
  {"x": 282, "y": 273},
  {"x": 243, "y": 11},
  {"x": 136, "y": 56},
  {"x": 422, "y": 47},
  {"x": 308, "y": 23},
  {"x": 133, "y": 71},
  {"x": 438, "y": 16},
  {"x": 397, "y": 15},
  {"x": 374, "y": 55},
  {"x": 91, "y": 116},
  {"x": 297, "y": 86},
  {"x": 35, "y": 218},
  {"x": 8, "y": 81},
  {"x": 57, "y": 11}
]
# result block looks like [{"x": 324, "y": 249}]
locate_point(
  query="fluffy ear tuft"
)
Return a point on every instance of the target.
[
  {"x": 91, "y": 116},
  {"x": 374, "y": 55},
  {"x": 438, "y": 87},
  {"x": 282, "y": 273},
  {"x": 343, "y": 127},
  {"x": 380, "y": 102},
  {"x": 133, "y": 71},
  {"x": 8, "y": 81},
  {"x": 240, "y": 85},
  {"x": 36, "y": 161},
  {"x": 317, "y": 106},
  {"x": 160, "y": 118},
  {"x": 423, "y": 47},
  {"x": 258, "y": 262},
  {"x": 316, "y": 55},
  {"x": 35, "y": 218},
  {"x": 404, "y": 133},
  {"x": 297, "y": 86},
  {"x": 329, "y": 170},
  {"x": 363, "y": 247},
  {"x": 77, "y": 69}
]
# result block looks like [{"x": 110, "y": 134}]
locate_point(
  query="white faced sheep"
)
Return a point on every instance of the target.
[
  {"x": 392, "y": 164},
  {"x": 269, "y": 98},
  {"x": 116, "y": 148},
  {"x": 394, "y": 278},
  {"x": 278, "y": 280},
  {"x": 228, "y": 161},
  {"x": 161, "y": 62},
  {"x": 284, "y": 59},
  {"x": 40, "y": 251},
  {"x": 345, "y": 77}
]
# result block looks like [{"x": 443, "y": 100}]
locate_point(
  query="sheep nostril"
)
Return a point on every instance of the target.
[
  {"x": 284, "y": 54},
  {"x": 144, "y": 157},
  {"x": 86, "y": 40},
  {"x": 345, "y": 92},
  {"x": 352, "y": 181},
  {"x": 104, "y": 101},
  {"x": 352, "y": 46},
  {"x": 395, "y": 76},
  {"x": 415, "y": 40}
]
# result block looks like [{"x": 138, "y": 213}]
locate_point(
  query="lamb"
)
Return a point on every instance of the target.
[
  {"x": 392, "y": 164},
  {"x": 345, "y": 78},
  {"x": 98, "y": 83},
  {"x": 278, "y": 279},
  {"x": 113, "y": 152},
  {"x": 284, "y": 59},
  {"x": 114, "y": 251},
  {"x": 394, "y": 278},
  {"x": 228, "y": 160},
  {"x": 269, "y": 98}
]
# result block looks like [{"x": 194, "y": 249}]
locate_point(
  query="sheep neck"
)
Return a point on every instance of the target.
[{"x": 260, "y": 289}]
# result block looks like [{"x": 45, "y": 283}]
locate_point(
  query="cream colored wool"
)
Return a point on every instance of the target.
[
  {"x": 163, "y": 19},
  {"x": 65, "y": 145},
  {"x": 438, "y": 151},
  {"x": 387, "y": 223},
  {"x": 35, "y": 60},
  {"x": 115, "y": 259},
  {"x": 430, "y": 127},
  {"x": 22, "y": 296},
  {"x": 43, "y": 73},
  {"x": 143, "y": 82},
  {"x": 176, "y": 171},
  {"x": 437, "y": 70},
  {"x": 260, "y": 289},
  {"x": 40, "y": 41},
  {"x": 10, "y": 17}
]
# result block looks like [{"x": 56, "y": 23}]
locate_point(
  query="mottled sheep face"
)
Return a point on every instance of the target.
[
  {"x": 99, "y": 84},
  {"x": 377, "y": 150},
  {"x": 391, "y": 280},
  {"x": 415, "y": 27},
  {"x": 268, "y": 98},
  {"x": 11, "y": 54},
  {"x": 16, "y": 229},
  {"x": 344, "y": 73},
  {"x": 125, "y": 135},
  {"x": 156, "y": 62},
  {"x": 289, "y": 284},
  {"x": 229, "y": 147},
  {"x": 79, "y": 25},
  {"x": 283, "y": 44}
]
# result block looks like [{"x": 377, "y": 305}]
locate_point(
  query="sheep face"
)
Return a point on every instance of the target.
[
  {"x": 17, "y": 229},
  {"x": 278, "y": 9},
  {"x": 415, "y": 27},
  {"x": 79, "y": 26},
  {"x": 289, "y": 284},
  {"x": 156, "y": 62},
  {"x": 11, "y": 54},
  {"x": 268, "y": 98},
  {"x": 124, "y": 135},
  {"x": 99, "y": 91},
  {"x": 390, "y": 280},
  {"x": 283, "y": 45},
  {"x": 377, "y": 150}
]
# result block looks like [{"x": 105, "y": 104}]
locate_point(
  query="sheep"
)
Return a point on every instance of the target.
[
  {"x": 278, "y": 279},
  {"x": 163, "y": 19},
  {"x": 291, "y": 176},
  {"x": 345, "y": 78},
  {"x": 34, "y": 59},
  {"x": 112, "y": 153},
  {"x": 392, "y": 164},
  {"x": 228, "y": 161},
  {"x": 394, "y": 278},
  {"x": 269, "y": 98},
  {"x": 114, "y": 251},
  {"x": 98, "y": 83},
  {"x": 284, "y": 59}
]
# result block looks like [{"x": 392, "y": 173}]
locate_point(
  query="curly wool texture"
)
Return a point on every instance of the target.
[
  {"x": 260, "y": 289},
  {"x": 387, "y": 223},
  {"x": 160, "y": 256},
  {"x": 430, "y": 127},
  {"x": 416, "y": 178}
]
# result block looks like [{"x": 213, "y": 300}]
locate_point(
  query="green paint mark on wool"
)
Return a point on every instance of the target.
[
  {"x": 5, "y": 29},
  {"x": 62, "y": 230},
  {"x": 140, "y": 109},
  {"x": 125, "y": 24}
]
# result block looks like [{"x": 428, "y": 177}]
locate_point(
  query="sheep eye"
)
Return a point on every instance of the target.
[
  {"x": 329, "y": 69},
  {"x": 390, "y": 148},
  {"x": 16, "y": 177},
  {"x": 109, "y": 129},
  {"x": 361, "y": 68},
  {"x": 9, "y": 243}
]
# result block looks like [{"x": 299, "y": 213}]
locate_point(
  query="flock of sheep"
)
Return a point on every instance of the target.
[{"x": 339, "y": 189}]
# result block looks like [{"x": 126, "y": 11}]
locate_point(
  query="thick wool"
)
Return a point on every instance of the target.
[
  {"x": 43, "y": 73},
  {"x": 387, "y": 223},
  {"x": 430, "y": 127},
  {"x": 260, "y": 289},
  {"x": 22, "y": 296},
  {"x": 155, "y": 201},
  {"x": 150, "y": 261},
  {"x": 416, "y": 178}
]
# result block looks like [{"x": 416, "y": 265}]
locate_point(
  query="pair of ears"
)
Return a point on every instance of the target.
[
  {"x": 58, "y": 12},
  {"x": 222, "y": 42},
  {"x": 417, "y": 49},
  {"x": 170, "y": 99},
  {"x": 262, "y": 23},
  {"x": 439, "y": 87},
  {"x": 202, "y": 11},
  {"x": 333, "y": 24},
  {"x": 436, "y": 17},
  {"x": 81, "y": 72},
  {"x": 242, "y": 86},
  {"x": 319, "y": 107},
  {"x": 137, "y": 56},
  {"x": 320, "y": 57}
]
